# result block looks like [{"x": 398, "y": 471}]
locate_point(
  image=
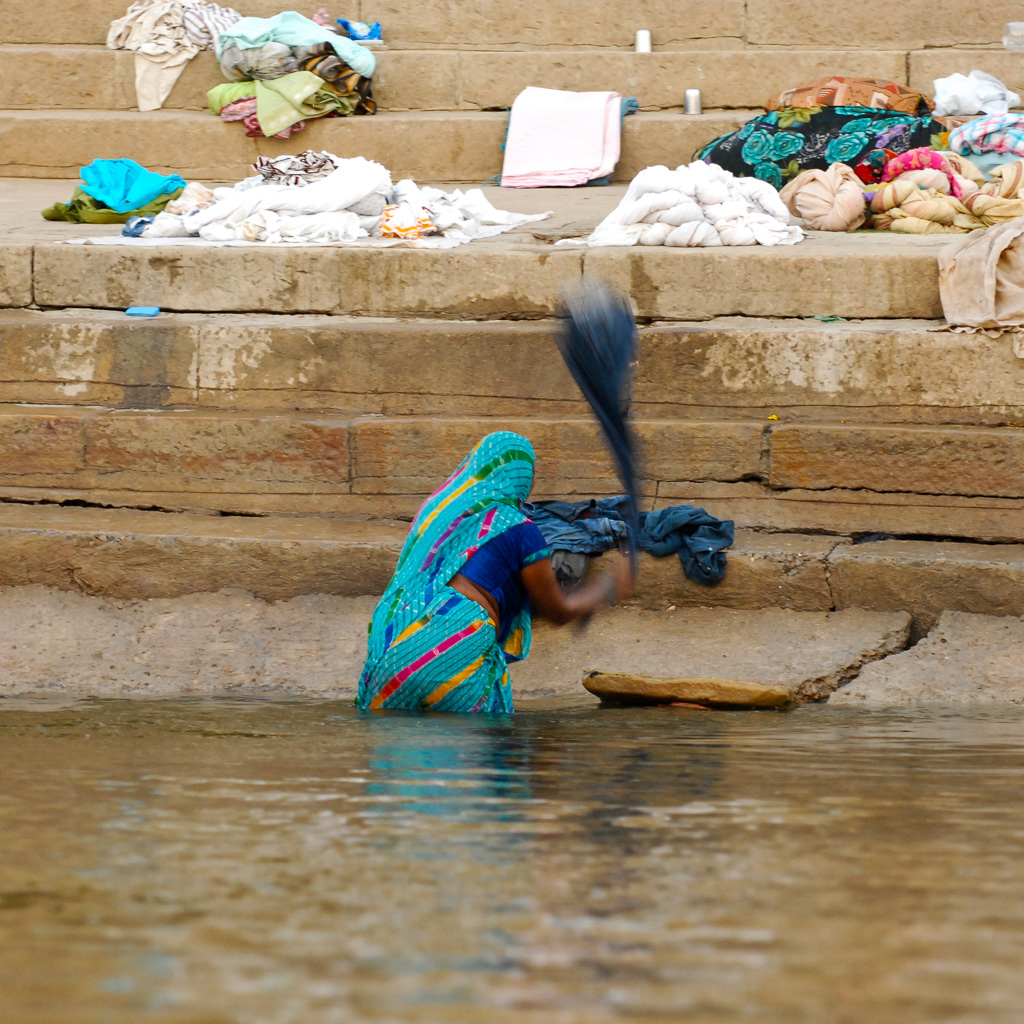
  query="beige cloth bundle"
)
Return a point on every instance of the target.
[{"x": 831, "y": 200}]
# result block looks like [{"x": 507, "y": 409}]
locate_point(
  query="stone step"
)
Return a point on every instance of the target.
[
  {"x": 132, "y": 554},
  {"x": 428, "y": 146},
  {"x": 905, "y": 480},
  {"x": 96, "y": 78},
  {"x": 250, "y": 462},
  {"x": 493, "y": 24},
  {"x": 516, "y": 276},
  {"x": 895, "y": 372}
]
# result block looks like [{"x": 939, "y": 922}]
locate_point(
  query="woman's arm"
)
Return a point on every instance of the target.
[{"x": 549, "y": 600}]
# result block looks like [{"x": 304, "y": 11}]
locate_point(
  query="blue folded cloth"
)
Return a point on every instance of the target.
[{"x": 124, "y": 185}]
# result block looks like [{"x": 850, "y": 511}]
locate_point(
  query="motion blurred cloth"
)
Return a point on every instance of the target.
[
  {"x": 853, "y": 92},
  {"x": 430, "y": 648},
  {"x": 777, "y": 146},
  {"x": 558, "y": 138},
  {"x": 83, "y": 209}
]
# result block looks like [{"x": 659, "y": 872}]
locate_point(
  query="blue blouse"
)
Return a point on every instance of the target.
[{"x": 495, "y": 568}]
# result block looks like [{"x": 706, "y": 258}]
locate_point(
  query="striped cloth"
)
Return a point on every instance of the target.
[
  {"x": 204, "y": 21},
  {"x": 430, "y": 648},
  {"x": 997, "y": 133}
]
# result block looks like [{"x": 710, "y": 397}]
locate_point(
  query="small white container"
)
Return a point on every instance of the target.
[
  {"x": 1013, "y": 35},
  {"x": 643, "y": 40},
  {"x": 691, "y": 102}
]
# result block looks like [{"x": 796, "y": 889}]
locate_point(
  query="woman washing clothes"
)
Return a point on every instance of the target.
[{"x": 457, "y": 609}]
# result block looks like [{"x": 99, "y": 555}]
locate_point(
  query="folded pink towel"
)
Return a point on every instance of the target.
[{"x": 561, "y": 138}]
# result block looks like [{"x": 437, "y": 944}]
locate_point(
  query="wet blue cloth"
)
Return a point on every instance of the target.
[
  {"x": 124, "y": 185},
  {"x": 590, "y": 527}
]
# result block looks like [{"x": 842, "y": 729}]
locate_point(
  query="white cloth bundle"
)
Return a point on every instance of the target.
[
  {"x": 976, "y": 93},
  {"x": 343, "y": 207},
  {"x": 702, "y": 204}
]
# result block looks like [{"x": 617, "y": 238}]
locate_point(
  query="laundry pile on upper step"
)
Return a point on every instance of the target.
[
  {"x": 281, "y": 72},
  {"x": 312, "y": 198},
  {"x": 850, "y": 153}
]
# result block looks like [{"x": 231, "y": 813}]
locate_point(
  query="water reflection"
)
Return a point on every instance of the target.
[{"x": 239, "y": 860}]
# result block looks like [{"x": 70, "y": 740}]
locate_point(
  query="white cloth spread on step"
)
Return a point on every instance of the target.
[
  {"x": 695, "y": 205},
  {"x": 561, "y": 138}
]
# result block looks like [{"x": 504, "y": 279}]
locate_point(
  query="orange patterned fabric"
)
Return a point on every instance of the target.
[{"x": 852, "y": 92}]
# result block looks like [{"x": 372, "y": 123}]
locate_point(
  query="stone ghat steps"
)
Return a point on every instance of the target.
[
  {"x": 131, "y": 554},
  {"x": 561, "y": 24},
  {"x": 95, "y": 78},
  {"x": 891, "y": 371},
  {"x": 865, "y": 275},
  {"x": 428, "y": 146},
  {"x": 834, "y": 477}
]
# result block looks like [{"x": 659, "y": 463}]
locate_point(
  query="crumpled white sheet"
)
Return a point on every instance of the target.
[
  {"x": 155, "y": 31},
  {"x": 695, "y": 205},
  {"x": 343, "y": 208},
  {"x": 976, "y": 93}
]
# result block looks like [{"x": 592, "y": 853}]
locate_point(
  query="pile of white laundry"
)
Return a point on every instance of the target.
[
  {"x": 321, "y": 199},
  {"x": 695, "y": 205}
]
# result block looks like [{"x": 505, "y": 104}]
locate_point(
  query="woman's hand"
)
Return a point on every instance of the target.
[{"x": 561, "y": 606}]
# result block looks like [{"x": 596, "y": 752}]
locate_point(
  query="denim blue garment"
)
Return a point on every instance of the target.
[
  {"x": 134, "y": 226},
  {"x": 590, "y": 527},
  {"x": 124, "y": 185}
]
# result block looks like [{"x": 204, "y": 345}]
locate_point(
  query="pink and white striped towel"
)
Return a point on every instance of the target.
[{"x": 561, "y": 138}]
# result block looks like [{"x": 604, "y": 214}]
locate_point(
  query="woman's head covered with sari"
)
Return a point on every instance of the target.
[{"x": 479, "y": 501}]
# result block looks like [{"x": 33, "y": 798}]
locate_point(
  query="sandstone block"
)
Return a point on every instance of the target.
[
  {"x": 40, "y": 442},
  {"x": 764, "y": 570},
  {"x": 628, "y": 688},
  {"x": 16, "y": 275},
  {"x": 366, "y": 282},
  {"x": 210, "y": 451},
  {"x": 930, "y": 460},
  {"x": 122, "y": 553},
  {"x": 897, "y": 371},
  {"x": 406, "y": 456},
  {"x": 925, "y": 578},
  {"x": 965, "y": 659},
  {"x": 911, "y": 25},
  {"x": 853, "y": 278},
  {"x": 752, "y": 505},
  {"x": 733, "y": 78},
  {"x": 491, "y": 25}
]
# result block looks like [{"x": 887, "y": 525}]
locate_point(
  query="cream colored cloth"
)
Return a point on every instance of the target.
[
  {"x": 155, "y": 31},
  {"x": 981, "y": 280},
  {"x": 831, "y": 200}
]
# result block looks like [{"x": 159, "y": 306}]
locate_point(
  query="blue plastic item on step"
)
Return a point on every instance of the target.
[
  {"x": 142, "y": 311},
  {"x": 361, "y": 31}
]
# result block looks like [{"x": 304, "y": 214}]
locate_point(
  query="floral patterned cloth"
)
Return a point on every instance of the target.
[{"x": 779, "y": 145}]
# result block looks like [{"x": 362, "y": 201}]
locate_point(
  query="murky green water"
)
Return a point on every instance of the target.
[{"x": 296, "y": 863}]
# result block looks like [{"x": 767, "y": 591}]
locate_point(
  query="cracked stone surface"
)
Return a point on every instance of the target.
[
  {"x": 965, "y": 659},
  {"x": 231, "y": 642}
]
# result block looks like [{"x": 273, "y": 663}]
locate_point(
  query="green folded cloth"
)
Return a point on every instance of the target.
[
  {"x": 282, "y": 102},
  {"x": 84, "y": 209}
]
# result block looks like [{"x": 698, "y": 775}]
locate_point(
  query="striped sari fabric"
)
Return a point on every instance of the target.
[{"x": 429, "y": 647}]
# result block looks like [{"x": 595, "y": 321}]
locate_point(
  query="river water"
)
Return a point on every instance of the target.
[{"x": 286, "y": 862}]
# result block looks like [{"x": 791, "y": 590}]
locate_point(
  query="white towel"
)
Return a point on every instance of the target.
[{"x": 561, "y": 138}]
